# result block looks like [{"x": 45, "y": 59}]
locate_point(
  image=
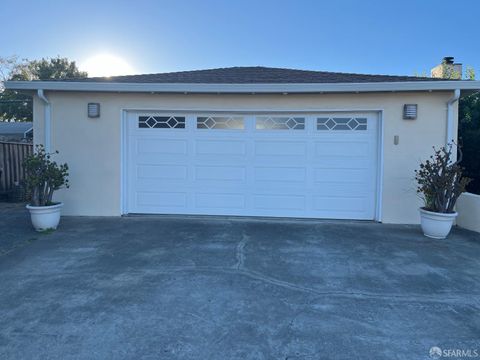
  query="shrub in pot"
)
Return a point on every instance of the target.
[
  {"x": 440, "y": 183},
  {"x": 43, "y": 177}
]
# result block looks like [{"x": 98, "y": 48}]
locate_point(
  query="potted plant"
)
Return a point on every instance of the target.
[
  {"x": 43, "y": 177},
  {"x": 440, "y": 183}
]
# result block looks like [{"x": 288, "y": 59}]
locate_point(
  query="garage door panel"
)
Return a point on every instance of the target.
[
  {"x": 345, "y": 189},
  {"x": 279, "y": 174},
  {"x": 154, "y": 185},
  {"x": 338, "y": 203},
  {"x": 220, "y": 173},
  {"x": 166, "y": 199},
  {"x": 220, "y": 148},
  {"x": 280, "y": 149},
  {"x": 279, "y": 202},
  {"x": 333, "y": 162},
  {"x": 339, "y": 149},
  {"x": 162, "y": 172},
  {"x": 161, "y": 159},
  {"x": 304, "y": 172},
  {"x": 161, "y": 146},
  {"x": 341, "y": 175},
  {"x": 220, "y": 201},
  {"x": 343, "y": 215}
]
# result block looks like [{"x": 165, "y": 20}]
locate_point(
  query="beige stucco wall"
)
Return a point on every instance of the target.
[
  {"x": 92, "y": 146},
  {"x": 468, "y": 208}
]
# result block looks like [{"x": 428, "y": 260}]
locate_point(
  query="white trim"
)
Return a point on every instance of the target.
[
  {"x": 47, "y": 119},
  {"x": 123, "y": 162},
  {"x": 251, "y": 111},
  {"x": 450, "y": 138},
  {"x": 380, "y": 168},
  {"x": 243, "y": 88},
  {"x": 124, "y": 143}
]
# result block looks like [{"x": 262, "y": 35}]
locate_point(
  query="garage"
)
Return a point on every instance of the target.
[
  {"x": 245, "y": 141},
  {"x": 302, "y": 165}
]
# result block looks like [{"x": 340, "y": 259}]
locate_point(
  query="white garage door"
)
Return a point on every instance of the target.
[{"x": 288, "y": 165}]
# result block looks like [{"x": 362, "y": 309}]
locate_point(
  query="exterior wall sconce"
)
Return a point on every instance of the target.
[
  {"x": 93, "y": 110},
  {"x": 410, "y": 111}
]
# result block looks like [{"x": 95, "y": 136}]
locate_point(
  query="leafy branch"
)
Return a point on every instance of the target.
[
  {"x": 440, "y": 180},
  {"x": 44, "y": 176}
]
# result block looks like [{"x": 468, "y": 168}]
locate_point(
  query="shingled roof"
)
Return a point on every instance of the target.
[
  {"x": 251, "y": 80},
  {"x": 253, "y": 75}
]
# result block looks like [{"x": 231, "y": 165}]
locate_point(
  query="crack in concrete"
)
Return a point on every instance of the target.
[
  {"x": 201, "y": 318},
  {"x": 440, "y": 298},
  {"x": 239, "y": 268},
  {"x": 240, "y": 253}
]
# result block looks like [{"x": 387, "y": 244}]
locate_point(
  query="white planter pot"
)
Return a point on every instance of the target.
[
  {"x": 45, "y": 217},
  {"x": 436, "y": 225}
]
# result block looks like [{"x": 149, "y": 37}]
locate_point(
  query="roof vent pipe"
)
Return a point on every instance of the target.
[{"x": 47, "y": 119}]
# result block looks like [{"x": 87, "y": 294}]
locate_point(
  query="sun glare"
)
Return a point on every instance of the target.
[{"x": 106, "y": 65}]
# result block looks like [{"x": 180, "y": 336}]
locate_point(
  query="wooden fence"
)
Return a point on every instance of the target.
[{"x": 12, "y": 156}]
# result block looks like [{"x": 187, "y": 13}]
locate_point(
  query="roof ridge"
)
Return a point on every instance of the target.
[
  {"x": 258, "y": 67},
  {"x": 252, "y": 75}
]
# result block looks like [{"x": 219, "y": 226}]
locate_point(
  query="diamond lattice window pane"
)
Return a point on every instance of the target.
[
  {"x": 151, "y": 122},
  {"x": 353, "y": 123},
  {"x": 210, "y": 123},
  {"x": 331, "y": 124},
  {"x": 235, "y": 123},
  {"x": 142, "y": 122},
  {"x": 344, "y": 124},
  {"x": 279, "y": 123},
  {"x": 172, "y": 122},
  {"x": 220, "y": 122},
  {"x": 161, "y": 122}
]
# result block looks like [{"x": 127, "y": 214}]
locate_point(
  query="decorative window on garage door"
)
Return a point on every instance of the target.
[
  {"x": 341, "y": 123},
  {"x": 161, "y": 122},
  {"x": 280, "y": 123},
  {"x": 220, "y": 122}
]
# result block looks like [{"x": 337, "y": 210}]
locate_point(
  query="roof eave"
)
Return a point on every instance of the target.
[{"x": 243, "y": 88}]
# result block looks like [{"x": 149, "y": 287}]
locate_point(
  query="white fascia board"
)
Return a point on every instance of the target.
[{"x": 243, "y": 88}]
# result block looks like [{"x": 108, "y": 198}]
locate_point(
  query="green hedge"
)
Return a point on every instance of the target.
[{"x": 469, "y": 138}]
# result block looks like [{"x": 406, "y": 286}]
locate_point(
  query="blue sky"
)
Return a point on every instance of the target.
[{"x": 392, "y": 37}]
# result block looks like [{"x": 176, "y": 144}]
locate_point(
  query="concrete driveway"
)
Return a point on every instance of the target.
[{"x": 179, "y": 288}]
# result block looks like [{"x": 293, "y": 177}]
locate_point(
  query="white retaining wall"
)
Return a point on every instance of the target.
[{"x": 468, "y": 208}]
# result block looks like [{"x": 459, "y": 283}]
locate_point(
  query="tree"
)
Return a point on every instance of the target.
[
  {"x": 469, "y": 133},
  {"x": 15, "y": 106},
  {"x": 47, "y": 69},
  {"x": 6, "y": 66},
  {"x": 468, "y": 128},
  {"x": 469, "y": 137}
]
